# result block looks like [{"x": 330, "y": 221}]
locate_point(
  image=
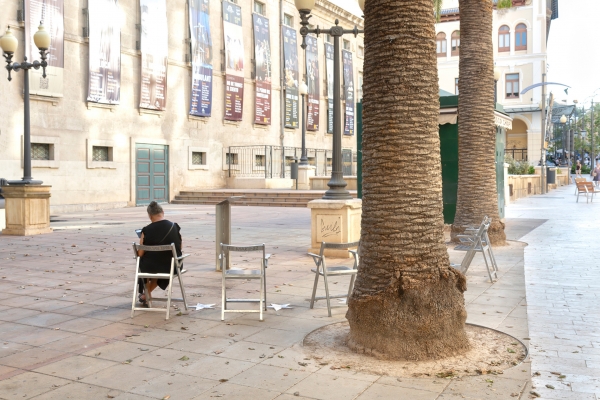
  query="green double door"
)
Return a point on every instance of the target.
[{"x": 151, "y": 173}]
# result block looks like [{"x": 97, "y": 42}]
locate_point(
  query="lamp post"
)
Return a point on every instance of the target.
[
  {"x": 575, "y": 130},
  {"x": 497, "y": 74},
  {"x": 303, "y": 89},
  {"x": 563, "y": 121},
  {"x": 337, "y": 184},
  {"x": 9, "y": 44}
]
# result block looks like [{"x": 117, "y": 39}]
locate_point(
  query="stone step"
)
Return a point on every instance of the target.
[{"x": 261, "y": 198}]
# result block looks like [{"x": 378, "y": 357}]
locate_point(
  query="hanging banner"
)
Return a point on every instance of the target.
[
  {"x": 104, "y": 84},
  {"x": 202, "y": 70},
  {"x": 348, "y": 92},
  {"x": 262, "y": 55},
  {"x": 329, "y": 67},
  {"x": 155, "y": 52},
  {"x": 290, "y": 55},
  {"x": 233, "y": 36},
  {"x": 312, "y": 74},
  {"x": 51, "y": 14}
]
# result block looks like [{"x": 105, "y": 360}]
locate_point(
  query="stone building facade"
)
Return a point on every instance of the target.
[
  {"x": 520, "y": 35},
  {"x": 70, "y": 129}
]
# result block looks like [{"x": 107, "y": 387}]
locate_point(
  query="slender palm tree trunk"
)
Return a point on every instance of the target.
[
  {"x": 408, "y": 302},
  {"x": 477, "y": 194}
]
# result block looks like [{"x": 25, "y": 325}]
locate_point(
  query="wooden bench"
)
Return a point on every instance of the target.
[
  {"x": 575, "y": 181},
  {"x": 586, "y": 188}
]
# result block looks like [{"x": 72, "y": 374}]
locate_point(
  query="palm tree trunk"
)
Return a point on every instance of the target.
[
  {"x": 477, "y": 195},
  {"x": 408, "y": 302}
]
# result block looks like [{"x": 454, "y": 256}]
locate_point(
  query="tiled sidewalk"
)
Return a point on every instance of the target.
[
  {"x": 562, "y": 275},
  {"x": 65, "y": 331}
]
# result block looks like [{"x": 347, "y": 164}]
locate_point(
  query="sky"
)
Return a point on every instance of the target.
[
  {"x": 351, "y": 6},
  {"x": 574, "y": 50}
]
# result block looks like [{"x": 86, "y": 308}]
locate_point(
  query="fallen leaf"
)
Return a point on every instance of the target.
[{"x": 184, "y": 358}]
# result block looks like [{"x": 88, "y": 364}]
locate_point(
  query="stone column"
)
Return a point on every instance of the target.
[
  {"x": 27, "y": 210},
  {"x": 334, "y": 221},
  {"x": 305, "y": 172}
]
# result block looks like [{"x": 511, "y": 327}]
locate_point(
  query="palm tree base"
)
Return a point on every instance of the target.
[{"x": 423, "y": 320}]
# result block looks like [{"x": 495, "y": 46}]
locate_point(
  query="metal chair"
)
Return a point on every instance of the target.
[
  {"x": 175, "y": 264},
  {"x": 477, "y": 241},
  {"x": 260, "y": 274},
  {"x": 325, "y": 271}
]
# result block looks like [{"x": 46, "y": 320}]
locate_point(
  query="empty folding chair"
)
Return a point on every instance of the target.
[
  {"x": 175, "y": 267},
  {"x": 478, "y": 242},
  {"x": 325, "y": 271},
  {"x": 251, "y": 274}
]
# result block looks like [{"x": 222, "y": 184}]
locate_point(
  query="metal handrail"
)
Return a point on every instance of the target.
[{"x": 268, "y": 161}]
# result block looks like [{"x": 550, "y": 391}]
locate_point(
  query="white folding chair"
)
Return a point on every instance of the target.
[
  {"x": 175, "y": 266},
  {"x": 477, "y": 242},
  {"x": 325, "y": 271},
  {"x": 251, "y": 274}
]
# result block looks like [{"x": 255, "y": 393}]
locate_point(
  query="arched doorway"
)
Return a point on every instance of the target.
[{"x": 516, "y": 140}]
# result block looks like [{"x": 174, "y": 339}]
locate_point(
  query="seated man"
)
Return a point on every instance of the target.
[{"x": 160, "y": 232}]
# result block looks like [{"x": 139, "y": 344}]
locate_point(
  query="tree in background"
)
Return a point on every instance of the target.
[{"x": 477, "y": 195}]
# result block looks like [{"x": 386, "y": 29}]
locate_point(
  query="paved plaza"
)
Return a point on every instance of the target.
[{"x": 66, "y": 331}]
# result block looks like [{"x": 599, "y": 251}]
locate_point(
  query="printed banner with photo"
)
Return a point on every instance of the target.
[
  {"x": 51, "y": 14},
  {"x": 233, "y": 35},
  {"x": 329, "y": 68},
  {"x": 155, "y": 54},
  {"x": 290, "y": 56},
  {"x": 312, "y": 74},
  {"x": 201, "y": 46},
  {"x": 104, "y": 84},
  {"x": 348, "y": 92},
  {"x": 262, "y": 55}
]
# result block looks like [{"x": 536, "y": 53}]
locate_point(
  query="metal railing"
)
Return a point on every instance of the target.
[
  {"x": 275, "y": 161},
  {"x": 517, "y": 154}
]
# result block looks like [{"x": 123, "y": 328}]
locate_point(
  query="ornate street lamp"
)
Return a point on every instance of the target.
[
  {"x": 563, "y": 121},
  {"x": 303, "y": 89},
  {"x": 337, "y": 184},
  {"x": 497, "y": 75},
  {"x": 9, "y": 44}
]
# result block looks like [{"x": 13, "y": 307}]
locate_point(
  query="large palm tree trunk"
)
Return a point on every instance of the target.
[
  {"x": 408, "y": 302},
  {"x": 477, "y": 195}
]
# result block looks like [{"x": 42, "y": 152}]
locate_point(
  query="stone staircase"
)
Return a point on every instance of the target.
[{"x": 252, "y": 197}]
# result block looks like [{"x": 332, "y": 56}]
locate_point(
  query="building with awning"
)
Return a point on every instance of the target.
[{"x": 520, "y": 35}]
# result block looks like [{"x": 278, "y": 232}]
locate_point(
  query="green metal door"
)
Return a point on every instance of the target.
[
  {"x": 152, "y": 176},
  {"x": 500, "y": 145},
  {"x": 449, "y": 156}
]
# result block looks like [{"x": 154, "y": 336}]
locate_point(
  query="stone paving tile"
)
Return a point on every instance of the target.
[
  {"x": 45, "y": 319},
  {"x": 232, "y": 391},
  {"x": 13, "y": 314},
  {"x": 32, "y": 358},
  {"x": 75, "y": 367},
  {"x": 164, "y": 359},
  {"x": 269, "y": 377},
  {"x": 378, "y": 391},
  {"x": 177, "y": 386},
  {"x": 328, "y": 387},
  {"x": 28, "y": 385},
  {"x": 122, "y": 377},
  {"x": 119, "y": 351},
  {"x": 215, "y": 368},
  {"x": 78, "y": 391}
]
